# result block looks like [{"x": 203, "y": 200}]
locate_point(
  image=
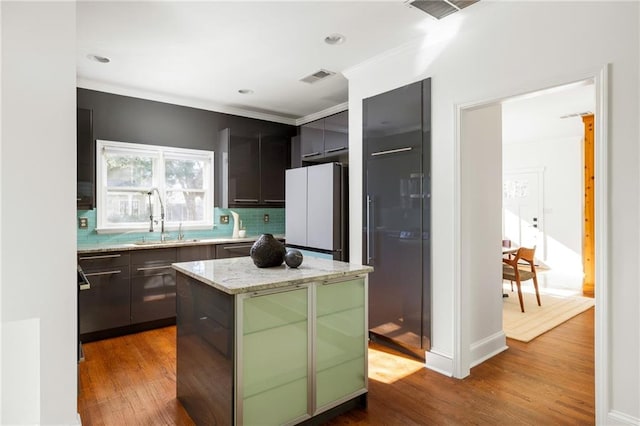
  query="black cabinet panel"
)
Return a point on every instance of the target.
[
  {"x": 85, "y": 184},
  {"x": 205, "y": 338}
]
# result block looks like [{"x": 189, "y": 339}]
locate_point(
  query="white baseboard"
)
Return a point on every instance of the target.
[
  {"x": 487, "y": 348},
  {"x": 618, "y": 418},
  {"x": 439, "y": 363}
]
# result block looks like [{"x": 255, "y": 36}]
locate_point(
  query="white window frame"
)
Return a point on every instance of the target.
[{"x": 159, "y": 153}]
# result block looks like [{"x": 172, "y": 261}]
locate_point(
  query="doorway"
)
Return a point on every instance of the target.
[{"x": 543, "y": 162}]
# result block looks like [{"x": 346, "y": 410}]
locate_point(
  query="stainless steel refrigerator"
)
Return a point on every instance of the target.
[
  {"x": 316, "y": 218},
  {"x": 396, "y": 216}
]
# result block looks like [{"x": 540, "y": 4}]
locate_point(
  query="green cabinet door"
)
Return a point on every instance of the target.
[
  {"x": 274, "y": 365},
  {"x": 341, "y": 341}
]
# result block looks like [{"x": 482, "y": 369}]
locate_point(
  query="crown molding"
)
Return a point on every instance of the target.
[{"x": 324, "y": 113}]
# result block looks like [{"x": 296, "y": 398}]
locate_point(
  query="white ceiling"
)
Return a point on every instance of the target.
[
  {"x": 201, "y": 53},
  {"x": 543, "y": 115}
]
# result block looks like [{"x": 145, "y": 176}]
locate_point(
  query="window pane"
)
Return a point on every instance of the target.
[
  {"x": 184, "y": 174},
  {"x": 183, "y": 206},
  {"x": 127, "y": 207},
  {"x": 129, "y": 171}
]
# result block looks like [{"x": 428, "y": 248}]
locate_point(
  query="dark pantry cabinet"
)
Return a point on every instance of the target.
[{"x": 396, "y": 214}]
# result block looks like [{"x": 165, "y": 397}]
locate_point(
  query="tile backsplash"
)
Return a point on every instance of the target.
[{"x": 252, "y": 220}]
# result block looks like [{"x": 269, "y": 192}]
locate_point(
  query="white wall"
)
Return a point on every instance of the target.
[
  {"x": 37, "y": 177},
  {"x": 501, "y": 49},
  {"x": 480, "y": 230},
  {"x": 561, "y": 160}
]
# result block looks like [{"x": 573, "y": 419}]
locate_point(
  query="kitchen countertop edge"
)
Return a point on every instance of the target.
[
  {"x": 104, "y": 247},
  {"x": 247, "y": 278}
]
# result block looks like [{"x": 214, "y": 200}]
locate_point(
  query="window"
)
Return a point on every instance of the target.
[{"x": 126, "y": 174}]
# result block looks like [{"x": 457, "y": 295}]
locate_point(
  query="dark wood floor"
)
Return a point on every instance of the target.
[{"x": 130, "y": 380}]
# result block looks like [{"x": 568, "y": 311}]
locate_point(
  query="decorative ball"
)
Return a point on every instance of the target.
[
  {"x": 267, "y": 252},
  {"x": 293, "y": 258}
]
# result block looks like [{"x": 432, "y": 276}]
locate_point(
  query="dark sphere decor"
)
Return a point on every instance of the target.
[
  {"x": 293, "y": 258},
  {"x": 267, "y": 252}
]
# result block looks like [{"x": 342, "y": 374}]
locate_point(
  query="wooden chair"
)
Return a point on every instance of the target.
[{"x": 511, "y": 272}]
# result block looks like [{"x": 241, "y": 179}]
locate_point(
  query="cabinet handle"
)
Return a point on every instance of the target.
[
  {"x": 369, "y": 233},
  {"x": 312, "y": 154},
  {"x": 391, "y": 151},
  {"x": 237, "y": 247},
  {"x": 153, "y": 268},
  {"x": 95, "y": 274},
  {"x": 245, "y": 200},
  {"x": 274, "y": 201},
  {"x": 105, "y": 256},
  {"x": 337, "y": 149},
  {"x": 342, "y": 280}
]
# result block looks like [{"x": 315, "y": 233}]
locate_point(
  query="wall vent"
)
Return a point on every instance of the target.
[
  {"x": 441, "y": 8},
  {"x": 317, "y": 76}
]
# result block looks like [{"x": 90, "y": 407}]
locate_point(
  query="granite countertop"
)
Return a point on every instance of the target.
[
  {"x": 239, "y": 275},
  {"x": 110, "y": 247}
]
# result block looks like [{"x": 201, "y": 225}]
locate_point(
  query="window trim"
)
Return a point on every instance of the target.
[{"x": 159, "y": 153}]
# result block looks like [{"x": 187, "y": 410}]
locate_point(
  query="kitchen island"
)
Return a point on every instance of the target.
[{"x": 271, "y": 345}]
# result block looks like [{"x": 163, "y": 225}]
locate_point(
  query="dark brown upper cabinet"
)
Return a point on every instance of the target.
[
  {"x": 325, "y": 139},
  {"x": 257, "y": 167},
  {"x": 85, "y": 145}
]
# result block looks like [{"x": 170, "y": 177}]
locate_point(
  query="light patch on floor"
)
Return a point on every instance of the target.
[{"x": 388, "y": 368}]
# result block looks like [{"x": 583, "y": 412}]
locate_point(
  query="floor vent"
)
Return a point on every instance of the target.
[
  {"x": 441, "y": 8},
  {"x": 317, "y": 76}
]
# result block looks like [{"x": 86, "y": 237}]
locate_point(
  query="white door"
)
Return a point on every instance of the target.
[{"x": 522, "y": 199}]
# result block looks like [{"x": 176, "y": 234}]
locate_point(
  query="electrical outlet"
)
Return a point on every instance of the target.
[
  {"x": 265, "y": 218},
  {"x": 224, "y": 219},
  {"x": 83, "y": 223}
]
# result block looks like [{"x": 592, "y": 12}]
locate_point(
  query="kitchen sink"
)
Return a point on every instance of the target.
[{"x": 158, "y": 242}]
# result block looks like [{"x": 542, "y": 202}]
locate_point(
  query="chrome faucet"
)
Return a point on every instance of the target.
[
  {"x": 180, "y": 233},
  {"x": 150, "y": 193}
]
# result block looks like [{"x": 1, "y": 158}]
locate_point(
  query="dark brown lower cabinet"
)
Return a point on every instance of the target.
[
  {"x": 153, "y": 285},
  {"x": 106, "y": 303}
]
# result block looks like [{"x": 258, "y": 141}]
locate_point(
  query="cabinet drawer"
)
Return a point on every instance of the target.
[
  {"x": 224, "y": 251},
  {"x": 105, "y": 260},
  {"x": 155, "y": 256},
  {"x": 106, "y": 303},
  {"x": 340, "y": 296},
  {"x": 193, "y": 253}
]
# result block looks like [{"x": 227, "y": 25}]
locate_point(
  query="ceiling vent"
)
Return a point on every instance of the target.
[
  {"x": 317, "y": 76},
  {"x": 441, "y": 8}
]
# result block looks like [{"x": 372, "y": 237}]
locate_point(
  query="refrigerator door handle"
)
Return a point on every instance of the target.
[{"x": 369, "y": 233}]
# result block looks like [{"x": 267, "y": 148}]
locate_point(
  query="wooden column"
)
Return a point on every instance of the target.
[{"x": 588, "y": 233}]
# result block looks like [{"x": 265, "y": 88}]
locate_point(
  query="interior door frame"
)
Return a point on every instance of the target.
[{"x": 461, "y": 317}]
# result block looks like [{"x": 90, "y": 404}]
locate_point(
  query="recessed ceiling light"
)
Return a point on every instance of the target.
[
  {"x": 335, "y": 39},
  {"x": 98, "y": 58},
  {"x": 245, "y": 91}
]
